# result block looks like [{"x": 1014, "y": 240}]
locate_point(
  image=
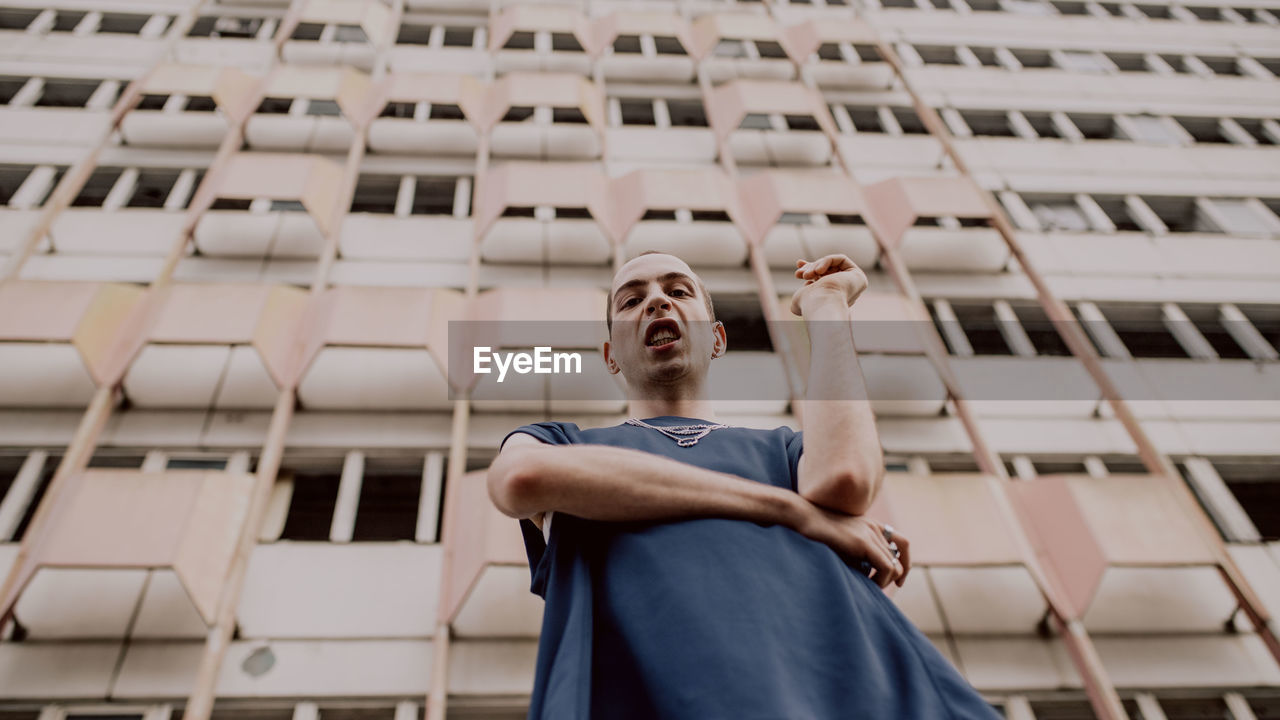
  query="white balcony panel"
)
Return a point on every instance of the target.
[
  {"x": 460, "y": 61},
  {"x": 15, "y": 226},
  {"x": 369, "y": 236},
  {"x": 61, "y": 670},
  {"x": 43, "y": 375},
  {"x": 594, "y": 390},
  {"x": 797, "y": 147},
  {"x": 833, "y": 74},
  {"x": 232, "y": 233},
  {"x": 748, "y": 147},
  {"x": 1188, "y": 661},
  {"x": 782, "y": 247},
  {"x": 149, "y": 128},
  {"x": 491, "y": 668},
  {"x": 722, "y": 69},
  {"x": 633, "y": 68},
  {"x": 500, "y": 606},
  {"x": 519, "y": 140},
  {"x": 577, "y": 242},
  {"x": 709, "y": 244},
  {"x": 1195, "y": 255},
  {"x": 326, "y": 590},
  {"x": 434, "y": 137},
  {"x": 105, "y": 268},
  {"x": 127, "y": 231},
  {"x": 303, "y": 668},
  {"x": 305, "y": 133},
  {"x": 1122, "y": 253},
  {"x": 515, "y": 240},
  {"x": 514, "y": 392},
  {"x": 167, "y": 612},
  {"x": 999, "y": 386},
  {"x": 114, "y": 50},
  {"x": 1226, "y": 389},
  {"x": 943, "y": 250},
  {"x": 506, "y": 61},
  {"x": 915, "y": 600},
  {"x": 1024, "y": 663},
  {"x": 246, "y": 385},
  {"x": 176, "y": 376},
  {"x": 966, "y": 597},
  {"x": 310, "y": 52},
  {"x": 297, "y": 237},
  {"x": 751, "y": 383},
  {"x": 682, "y": 145},
  {"x": 64, "y": 603},
  {"x": 249, "y": 55},
  {"x": 332, "y": 135},
  {"x": 566, "y": 62},
  {"x": 575, "y": 142},
  {"x": 374, "y": 379},
  {"x": 1160, "y": 600},
  {"x": 902, "y": 385},
  {"x": 856, "y": 242},
  {"x": 912, "y": 155},
  {"x": 71, "y": 127}
]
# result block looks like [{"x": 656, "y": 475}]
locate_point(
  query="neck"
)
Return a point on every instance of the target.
[{"x": 656, "y": 406}]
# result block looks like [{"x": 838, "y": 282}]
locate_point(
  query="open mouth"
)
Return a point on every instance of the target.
[{"x": 662, "y": 333}]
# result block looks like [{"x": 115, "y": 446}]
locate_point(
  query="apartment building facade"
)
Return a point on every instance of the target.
[{"x": 239, "y": 479}]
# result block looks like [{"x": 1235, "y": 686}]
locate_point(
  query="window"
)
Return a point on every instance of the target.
[
  {"x": 388, "y": 507},
  {"x": 980, "y": 325},
  {"x": 324, "y": 107},
  {"x": 730, "y": 49},
  {"x": 154, "y": 186},
  {"x": 568, "y": 115},
  {"x": 744, "y": 322},
  {"x": 46, "y": 476},
  {"x": 1265, "y": 704},
  {"x": 274, "y": 106},
  {"x": 11, "y": 178},
  {"x": 686, "y": 113},
  {"x": 1222, "y": 65},
  {"x": 1058, "y": 213},
  {"x": 909, "y": 121},
  {"x": 9, "y": 86},
  {"x": 1203, "y": 129},
  {"x": 17, "y": 18},
  {"x": 442, "y": 111},
  {"x": 124, "y": 23},
  {"x": 1157, "y": 12},
  {"x": 1082, "y": 61},
  {"x": 667, "y": 45},
  {"x": 1070, "y": 7},
  {"x": 1033, "y": 58},
  {"x": 67, "y": 20},
  {"x": 225, "y": 27},
  {"x": 97, "y": 187},
  {"x": 72, "y": 93},
  {"x": 802, "y": 122},
  {"x": 463, "y": 37},
  {"x": 1255, "y": 128},
  {"x": 307, "y": 31},
  {"x": 937, "y": 54},
  {"x": 1117, "y": 212},
  {"x": 1128, "y": 62},
  {"x": 1065, "y": 710},
  {"x": 770, "y": 49},
  {"x": 1207, "y": 320},
  {"x": 1141, "y": 328},
  {"x": 865, "y": 119},
  {"x": 376, "y": 194},
  {"x": 830, "y": 51},
  {"x": 1042, "y": 123},
  {"x": 1094, "y": 126},
  {"x": 1043, "y": 335},
  {"x": 1152, "y": 130},
  {"x": 992, "y": 123},
  {"x": 402, "y": 110},
  {"x": 518, "y": 114},
  {"x": 519, "y": 41},
  {"x": 1180, "y": 214},
  {"x": 986, "y": 56},
  {"x": 627, "y": 44},
  {"x": 565, "y": 42},
  {"x": 637, "y": 112},
  {"x": 710, "y": 216},
  {"x": 434, "y": 195},
  {"x": 413, "y": 34},
  {"x": 315, "y": 493},
  {"x": 350, "y": 33},
  {"x": 755, "y": 121}
]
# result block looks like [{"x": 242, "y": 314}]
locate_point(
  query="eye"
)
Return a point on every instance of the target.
[
  {"x": 679, "y": 291},
  {"x": 630, "y": 301}
]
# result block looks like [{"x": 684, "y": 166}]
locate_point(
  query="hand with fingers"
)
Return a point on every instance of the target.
[
  {"x": 833, "y": 275},
  {"x": 862, "y": 543}
]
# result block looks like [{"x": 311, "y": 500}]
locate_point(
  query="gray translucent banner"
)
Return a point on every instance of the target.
[{"x": 530, "y": 363}]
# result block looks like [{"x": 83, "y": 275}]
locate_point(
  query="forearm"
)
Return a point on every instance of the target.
[
  {"x": 844, "y": 460},
  {"x": 617, "y": 484}
]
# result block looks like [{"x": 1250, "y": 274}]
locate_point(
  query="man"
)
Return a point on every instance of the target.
[{"x": 696, "y": 570}]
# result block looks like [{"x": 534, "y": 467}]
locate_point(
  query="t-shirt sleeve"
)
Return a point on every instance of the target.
[
  {"x": 795, "y": 448},
  {"x": 535, "y": 546}
]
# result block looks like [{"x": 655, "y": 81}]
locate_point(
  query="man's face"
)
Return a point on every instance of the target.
[{"x": 662, "y": 331}]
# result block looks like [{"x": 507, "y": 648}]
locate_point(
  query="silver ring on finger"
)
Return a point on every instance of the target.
[
  {"x": 887, "y": 531},
  {"x": 894, "y": 547}
]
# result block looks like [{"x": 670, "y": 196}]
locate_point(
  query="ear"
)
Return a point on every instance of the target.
[
  {"x": 609, "y": 362},
  {"x": 721, "y": 340}
]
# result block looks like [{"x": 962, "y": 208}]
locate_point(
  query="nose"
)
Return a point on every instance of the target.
[{"x": 656, "y": 301}]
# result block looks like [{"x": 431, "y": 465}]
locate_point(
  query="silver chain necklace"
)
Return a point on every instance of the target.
[{"x": 684, "y": 435}]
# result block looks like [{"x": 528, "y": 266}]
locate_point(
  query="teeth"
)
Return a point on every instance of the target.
[{"x": 662, "y": 337}]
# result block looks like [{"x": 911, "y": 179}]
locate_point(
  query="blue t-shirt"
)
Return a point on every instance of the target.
[{"x": 717, "y": 618}]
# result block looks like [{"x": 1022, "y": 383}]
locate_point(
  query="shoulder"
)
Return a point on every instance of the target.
[{"x": 550, "y": 432}]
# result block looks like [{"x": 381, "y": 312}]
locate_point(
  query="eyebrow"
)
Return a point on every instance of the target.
[{"x": 673, "y": 275}]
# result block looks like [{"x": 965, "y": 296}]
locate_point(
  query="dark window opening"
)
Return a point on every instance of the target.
[
  {"x": 518, "y": 212},
  {"x": 1070, "y": 7},
  {"x": 376, "y": 194},
  {"x": 898, "y": 3},
  {"x": 201, "y": 103},
  {"x": 1222, "y": 65},
  {"x": 1207, "y": 320},
  {"x": 1059, "y": 467},
  {"x": 937, "y": 54},
  {"x": 988, "y": 123},
  {"x": 9, "y": 86},
  {"x": 151, "y": 101},
  {"x": 519, "y": 41},
  {"x": 402, "y": 110},
  {"x": 744, "y": 322},
  {"x": 434, "y": 196},
  {"x": 1265, "y": 704},
  {"x": 770, "y": 49},
  {"x": 568, "y": 115},
  {"x": 573, "y": 213},
  {"x": 96, "y": 188},
  {"x": 67, "y": 20},
  {"x": 710, "y": 216},
  {"x": 668, "y": 215},
  {"x": 986, "y": 56},
  {"x": 11, "y": 178},
  {"x": 1094, "y": 126},
  {"x": 327, "y": 108},
  {"x": 287, "y": 206},
  {"x": 1116, "y": 211},
  {"x": 153, "y": 188},
  {"x": 67, "y": 93},
  {"x": 1128, "y": 62},
  {"x": 565, "y": 42},
  {"x": 802, "y": 122},
  {"x": 310, "y": 516},
  {"x": 230, "y": 204},
  {"x": 274, "y": 106},
  {"x": 388, "y": 507},
  {"x": 1204, "y": 130},
  {"x": 909, "y": 121},
  {"x": 627, "y": 44},
  {"x": 1033, "y": 58},
  {"x": 1064, "y": 710},
  {"x": 413, "y": 34},
  {"x": 307, "y": 31},
  {"x": 1042, "y": 123},
  {"x": 667, "y": 45},
  {"x": 518, "y": 114},
  {"x": 845, "y": 219},
  {"x": 1210, "y": 14},
  {"x": 830, "y": 51},
  {"x": 981, "y": 326},
  {"x": 686, "y": 113},
  {"x": 1041, "y": 331},
  {"x": 755, "y": 121},
  {"x": 1193, "y": 708},
  {"x": 125, "y": 23},
  {"x": 1180, "y": 214},
  {"x": 350, "y": 33},
  {"x": 1158, "y": 12},
  {"x": 46, "y": 475},
  {"x": 1266, "y": 321},
  {"x": 1253, "y": 126},
  {"x": 868, "y": 53},
  {"x": 1143, "y": 332},
  {"x": 445, "y": 112},
  {"x": 865, "y": 119},
  {"x": 637, "y": 112},
  {"x": 16, "y": 18},
  {"x": 463, "y": 37},
  {"x": 227, "y": 27}
]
